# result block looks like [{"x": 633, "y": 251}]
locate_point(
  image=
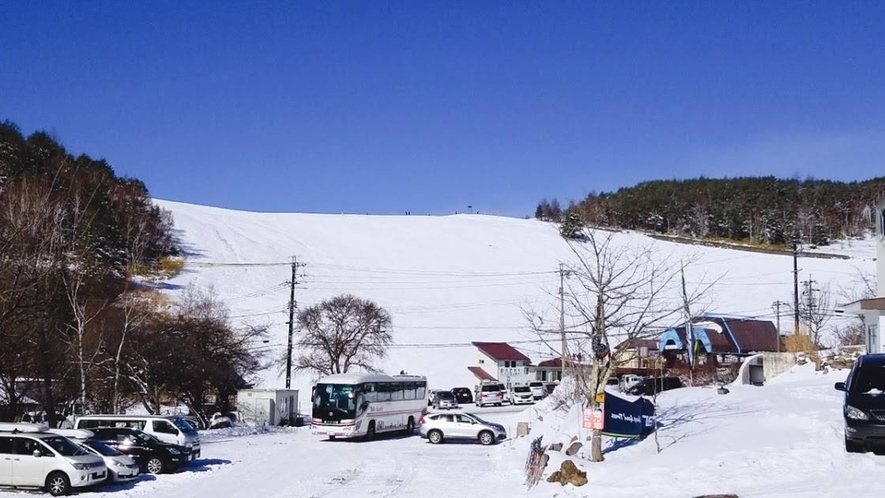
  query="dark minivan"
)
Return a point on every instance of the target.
[
  {"x": 864, "y": 406},
  {"x": 649, "y": 387},
  {"x": 463, "y": 395}
]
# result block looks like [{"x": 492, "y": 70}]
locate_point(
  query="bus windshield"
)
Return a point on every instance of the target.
[{"x": 334, "y": 402}]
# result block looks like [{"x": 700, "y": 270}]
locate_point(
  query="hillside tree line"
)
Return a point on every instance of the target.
[
  {"x": 759, "y": 210},
  {"x": 81, "y": 326}
]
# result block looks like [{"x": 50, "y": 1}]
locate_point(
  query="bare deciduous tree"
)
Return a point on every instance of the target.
[
  {"x": 342, "y": 333},
  {"x": 815, "y": 311},
  {"x": 622, "y": 293}
]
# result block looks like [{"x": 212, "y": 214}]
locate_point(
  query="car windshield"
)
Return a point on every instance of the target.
[
  {"x": 334, "y": 402},
  {"x": 492, "y": 388},
  {"x": 64, "y": 446},
  {"x": 144, "y": 437},
  {"x": 474, "y": 417},
  {"x": 870, "y": 380},
  {"x": 102, "y": 449},
  {"x": 446, "y": 395},
  {"x": 521, "y": 389},
  {"x": 535, "y": 384},
  {"x": 183, "y": 425}
]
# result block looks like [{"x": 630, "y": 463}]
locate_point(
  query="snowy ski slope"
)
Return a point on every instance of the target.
[{"x": 446, "y": 280}]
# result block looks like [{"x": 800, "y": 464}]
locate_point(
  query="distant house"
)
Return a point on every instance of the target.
[
  {"x": 873, "y": 310},
  {"x": 549, "y": 370},
  {"x": 719, "y": 339},
  {"x": 502, "y": 362},
  {"x": 637, "y": 353}
]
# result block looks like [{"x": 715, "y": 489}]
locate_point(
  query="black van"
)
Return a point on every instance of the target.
[
  {"x": 864, "y": 406},
  {"x": 649, "y": 387}
]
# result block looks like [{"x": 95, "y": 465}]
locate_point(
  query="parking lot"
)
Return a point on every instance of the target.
[{"x": 293, "y": 462}]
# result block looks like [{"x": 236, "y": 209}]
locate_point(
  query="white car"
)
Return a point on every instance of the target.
[
  {"x": 522, "y": 395},
  {"x": 538, "y": 390},
  {"x": 121, "y": 468},
  {"x": 31, "y": 456},
  {"x": 439, "y": 427}
]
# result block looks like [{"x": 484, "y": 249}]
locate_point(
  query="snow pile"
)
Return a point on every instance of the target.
[
  {"x": 778, "y": 440},
  {"x": 241, "y": 430}
]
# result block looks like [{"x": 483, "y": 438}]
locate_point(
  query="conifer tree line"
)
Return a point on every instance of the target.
[
  {"x": 82, "y": 327},
  {"x": 759, "y": 210}
]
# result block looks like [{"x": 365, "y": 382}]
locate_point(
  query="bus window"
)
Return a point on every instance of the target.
[
  {"x": 422, "y": 390},
  {"x": 383, "y": 391},
  {"x": 396, "y": 392}
]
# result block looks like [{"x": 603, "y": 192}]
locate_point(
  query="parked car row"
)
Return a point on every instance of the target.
[{"x": 103, "y": 448}]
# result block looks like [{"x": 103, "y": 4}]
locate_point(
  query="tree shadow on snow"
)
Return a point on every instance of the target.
[{"x": 692, "y": 413}]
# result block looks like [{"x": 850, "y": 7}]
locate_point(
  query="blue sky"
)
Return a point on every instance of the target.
[{"x": 384, "y": 107}]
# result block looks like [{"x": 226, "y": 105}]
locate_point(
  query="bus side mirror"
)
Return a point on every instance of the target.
[{"x": 840, "y": 386}]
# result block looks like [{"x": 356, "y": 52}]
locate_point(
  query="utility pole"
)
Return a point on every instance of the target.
[
  {"x": 808, "y": 292},
  {"x": 292, "y": 283},
  {"x": 777, "y": 310},
  {"x": 795, "y": 285},
  {"x": 563, "y": 348}
]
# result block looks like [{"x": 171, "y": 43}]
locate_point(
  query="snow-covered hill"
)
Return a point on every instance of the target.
[{"x": 446, "y": 280}]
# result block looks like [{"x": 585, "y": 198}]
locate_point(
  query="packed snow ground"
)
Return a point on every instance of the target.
[
  {"x": 780, "y": 440},
  {"x": 446, "y": 280}
]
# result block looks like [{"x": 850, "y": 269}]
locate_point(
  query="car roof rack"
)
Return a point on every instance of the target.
[{"x": 21, "y": 427}]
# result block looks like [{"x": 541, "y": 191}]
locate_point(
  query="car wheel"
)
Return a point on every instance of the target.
[
  {"x": 155, "y": 466},
  {"x": 370, "y": 432},
  {"x": 410, "y": 426},
  {"x": 853, "y": 446},
  {"x": 331, "y": 438},
  {"x": 435, "y": 437},
  {"x": 486, "y": 438},
  {"x": 58, "y": 484}
]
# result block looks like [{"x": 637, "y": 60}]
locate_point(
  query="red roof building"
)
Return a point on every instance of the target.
[{"x": 501, "y": 351}]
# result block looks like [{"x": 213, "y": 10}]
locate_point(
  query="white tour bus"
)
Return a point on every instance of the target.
[{"x": 358, "y": 404}]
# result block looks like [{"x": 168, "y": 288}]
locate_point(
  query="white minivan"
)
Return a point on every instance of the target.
[
  {"x": 33, "y": 457},
  {"x": 166, "y": 428}
]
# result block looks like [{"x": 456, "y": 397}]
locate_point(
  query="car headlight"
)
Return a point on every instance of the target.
[
  {"x": 174, "y": 451},
  {"x": 118, "y": 464},
  {"x": 855, "y": 413},
  {"x": 81, "y": 466}
]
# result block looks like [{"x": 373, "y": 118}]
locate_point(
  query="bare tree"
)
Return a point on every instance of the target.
[
  {"x": 815, "y": 312},
  {"x": 622, "y": 294},
  {"x": 341, "y": 333},
  {"x": 84, "y": 312}
]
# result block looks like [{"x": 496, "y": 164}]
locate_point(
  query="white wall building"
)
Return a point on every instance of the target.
[
  {"x": 499, "y": 361},
  {"x": 267, "y": 406},
  {"x": 873, "y": 310}
]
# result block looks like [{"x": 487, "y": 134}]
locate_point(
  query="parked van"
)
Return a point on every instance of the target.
[
  {"x": 167, "y": 428},
  {"x": 37, "y": 458},
  {"x": 863, "y": 407},
  {"x": 489, "y": 394},
  {"x": 629, "y": 380}
]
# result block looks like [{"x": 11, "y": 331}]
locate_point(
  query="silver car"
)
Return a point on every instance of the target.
[
  {"x": 438, "y": 427},
  {"x": 445, "y": 400}
]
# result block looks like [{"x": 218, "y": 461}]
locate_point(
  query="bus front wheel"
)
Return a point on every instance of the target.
[
  {"x": 370, "y": 432},
  {"x": 410, "y": 426}
]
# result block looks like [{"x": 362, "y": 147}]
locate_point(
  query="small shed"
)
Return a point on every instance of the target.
[{"x": 267, "y": 406}]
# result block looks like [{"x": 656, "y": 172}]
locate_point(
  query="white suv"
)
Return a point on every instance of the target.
[{"x": 31, "y": 456}]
